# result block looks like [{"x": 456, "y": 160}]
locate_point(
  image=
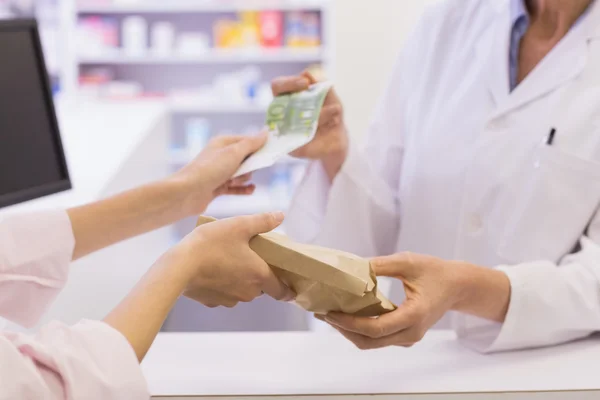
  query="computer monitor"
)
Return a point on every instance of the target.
[{"x": 32, "y": 160}]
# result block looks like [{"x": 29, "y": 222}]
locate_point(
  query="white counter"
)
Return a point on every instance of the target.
[{"x": 293, "y": 365}]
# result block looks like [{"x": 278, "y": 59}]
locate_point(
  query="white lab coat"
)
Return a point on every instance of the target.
[{"x": 455, "y": 166}]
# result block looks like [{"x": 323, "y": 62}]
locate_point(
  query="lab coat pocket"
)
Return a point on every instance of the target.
[{"x": 558, "y": 197}]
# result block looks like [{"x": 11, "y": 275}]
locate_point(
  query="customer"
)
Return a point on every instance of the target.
[{"x": 100, "y": 360}]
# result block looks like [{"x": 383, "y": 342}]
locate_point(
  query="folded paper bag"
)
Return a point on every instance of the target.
[{"x": 324, "y": 280}]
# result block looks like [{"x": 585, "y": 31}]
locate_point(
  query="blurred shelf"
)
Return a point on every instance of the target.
[
  {"x": 183, "y": 106},
  {"x": 182, "y": 157},
  {"x": 198, "y": 6},
  {"x": 284, "y": 55}
]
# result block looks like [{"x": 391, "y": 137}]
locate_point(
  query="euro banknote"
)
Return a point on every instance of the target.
[{"x": 292, "y": 121}]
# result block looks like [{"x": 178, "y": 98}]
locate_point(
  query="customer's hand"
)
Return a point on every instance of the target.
[
  {"x": 226, "y": 271},
  {"x": 209, "y": 174},
  {"x": 216, "y": 265},
  {"x": 433, "y": 287},
  {"x": 330, "y": 144}
]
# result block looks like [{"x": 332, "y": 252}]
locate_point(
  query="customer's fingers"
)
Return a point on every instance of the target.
[
  {"x": 211, "y": 298},
  {"x": 225, "y": 140},
  {"x": 240, "y": 190},
  {"x": 273, "y": 287},
  {"x": 290, "y": 84},
  {"x": 251, "y": 144},
  {"x": 252, "y": 225},
  {"x": 240, "y": 180}
]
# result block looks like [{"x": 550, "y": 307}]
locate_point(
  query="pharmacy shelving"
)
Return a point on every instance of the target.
[
  {"x": 212, "y": 57},
  {"x": 193, "y": 107},
  {"x": 187, "y": 6},
  {"x": 185, "y": 12},
  {"x": 198, "y": 83},
  {"x": 181, "y": 77}
]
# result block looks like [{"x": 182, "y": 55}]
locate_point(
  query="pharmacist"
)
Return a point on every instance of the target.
[
  {"x": 100, "y": 360},
  {"x": 483, "y": 162}
]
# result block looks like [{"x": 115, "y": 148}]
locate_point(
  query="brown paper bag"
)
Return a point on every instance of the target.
[{"x": 324, "y": 280}]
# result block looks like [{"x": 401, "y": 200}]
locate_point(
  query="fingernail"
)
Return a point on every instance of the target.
[{"x": 279, "y": 216}]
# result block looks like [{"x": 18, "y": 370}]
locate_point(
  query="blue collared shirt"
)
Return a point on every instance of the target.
[{"x": 520, "y": 23}]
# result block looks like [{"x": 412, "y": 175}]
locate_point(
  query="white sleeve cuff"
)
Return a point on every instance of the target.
[
  {"x": 487, "y": 336},
  {"x": 545, "y": 309}
]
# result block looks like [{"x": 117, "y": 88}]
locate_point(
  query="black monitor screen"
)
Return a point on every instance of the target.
[{"x": 32, "y": 162}]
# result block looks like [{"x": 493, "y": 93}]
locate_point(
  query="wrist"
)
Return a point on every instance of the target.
[
  {"x": 334, "y": 161},
  {"x": 464, "y": 281},
  {"x": 177, "y": 264},
  {"x": 193, "y": 253},
  {"x": 484, "y": 292},
  {"x": 183, "y": 194}
]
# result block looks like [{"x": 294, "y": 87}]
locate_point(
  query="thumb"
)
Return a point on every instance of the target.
[
  {"x": 250, "y": 145},
  {"x": 397, "y": 265},
  {"x": 261, "y": 223}
]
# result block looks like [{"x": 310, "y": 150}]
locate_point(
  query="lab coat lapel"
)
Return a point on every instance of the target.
[
  {"x": 492, "y": 52},
  {"x": 577, "y": 115},
  {"x": 563, "y": 64},
  {"x": 592, "y": 23}
]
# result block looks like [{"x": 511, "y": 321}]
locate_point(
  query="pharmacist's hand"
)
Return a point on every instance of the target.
[
  {"x": 227, "y": 271},
  {"x": 209, "y": 174},
  {"x": 432, "y": 286},
  {"x": 331, "y": 141}
]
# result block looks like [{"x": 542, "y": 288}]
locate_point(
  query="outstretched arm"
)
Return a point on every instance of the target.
[
  {"x": 188, "y": 192},
  {"x": 100, "y": 360}
]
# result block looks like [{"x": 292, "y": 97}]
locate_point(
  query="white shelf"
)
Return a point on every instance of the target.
[
  {"x": 191, "y": 107},
  {"x": 200, "y": 6},
  {"x": 212, "y": 57}
]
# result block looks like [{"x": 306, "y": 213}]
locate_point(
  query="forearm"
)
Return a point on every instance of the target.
[
  {"x": 484, "y": 292},
  {"x": 141, "y": 314},
  {"x": 126, "y": 215}
]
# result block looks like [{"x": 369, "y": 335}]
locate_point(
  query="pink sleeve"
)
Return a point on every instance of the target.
[
  {"x": 35, "y": 252},
  {"x": 88, "y": 361}
]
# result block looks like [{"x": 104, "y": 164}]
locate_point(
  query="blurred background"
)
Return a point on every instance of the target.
[{"x": 140, "y": 86}]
